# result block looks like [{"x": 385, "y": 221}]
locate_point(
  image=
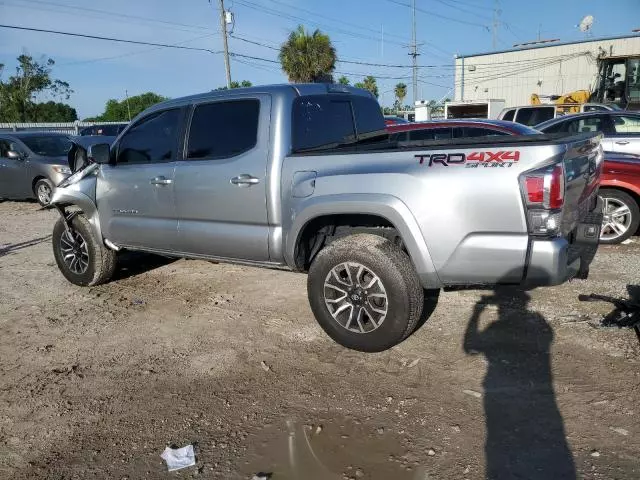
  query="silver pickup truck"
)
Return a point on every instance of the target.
[{"x": 305, "y": 177}]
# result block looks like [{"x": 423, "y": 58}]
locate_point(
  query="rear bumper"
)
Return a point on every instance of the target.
[
  {"x": 549, "y": 263},
  {"x": 554, "y": 261}
]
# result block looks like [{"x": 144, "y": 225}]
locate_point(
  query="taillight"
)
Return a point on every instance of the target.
[
  {"x": 556, "y": 189},
  {"x": 543, "y": 191}
]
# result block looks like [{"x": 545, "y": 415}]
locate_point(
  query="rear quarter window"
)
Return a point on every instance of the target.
[{"x": 509, "y": 115}]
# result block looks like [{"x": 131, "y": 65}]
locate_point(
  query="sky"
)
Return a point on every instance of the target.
[{"x": 362, "y": 31}]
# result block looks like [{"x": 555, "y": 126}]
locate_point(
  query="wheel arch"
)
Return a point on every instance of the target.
[
  {"x": 371, "y": 211},
  {"x": 66, "y": 198},
  {"x": 35, "y": 180}
]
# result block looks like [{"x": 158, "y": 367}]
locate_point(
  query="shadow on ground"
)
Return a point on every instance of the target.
[
  {"x": 12, "y": 248},
  {"x": 131, "y": 264},
  {"x": 525, "y": 432}
]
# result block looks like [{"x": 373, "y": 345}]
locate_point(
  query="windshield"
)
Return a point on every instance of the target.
[{"x": 48, "y": 146}]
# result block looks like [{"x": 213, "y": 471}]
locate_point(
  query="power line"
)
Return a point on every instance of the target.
[
  {"x": 438, "y": 15},
  {"x": 111, "y": 39},
  {"x": 298, "y": 19},
  {"x": 129, "y": 54},
  {"x": 119, "y": 16},
  {"x": 182, "y": 47},
  {"x": 316, "y": 14}
]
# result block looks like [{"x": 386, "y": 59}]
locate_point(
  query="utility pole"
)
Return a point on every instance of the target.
[
  {"x": 126, "y": 94},
  {"x": 496, "y": 23},
  {"x": 414, "y": 53},
  {"x": 223, "y": 29}
]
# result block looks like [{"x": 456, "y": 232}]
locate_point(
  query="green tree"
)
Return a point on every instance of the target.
[
  {"x": 32, "y": 78},
  {"x": 343, "y": 80},
  {"x": 118, "y": 111},
  {"x": 308, "y": 57},
  {"x": 54, "y": 112},
  {"x": 234, "y": 84},
  {"x": 369, "y": 83},
  {"x": 400, "y": 92}
]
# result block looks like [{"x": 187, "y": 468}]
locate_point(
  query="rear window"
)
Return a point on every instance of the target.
[
  {"x": 534, "y": 116},
  {"x": 509, "y": 115},
  {"x": 331, "y": 120},
  {"x": 48, "y": 146},
  {"x": 477, "y": 132},
  {"x": 430, "y": 134}
]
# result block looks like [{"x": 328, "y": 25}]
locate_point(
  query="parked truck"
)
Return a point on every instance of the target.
[{"x": 304, "y": 177}]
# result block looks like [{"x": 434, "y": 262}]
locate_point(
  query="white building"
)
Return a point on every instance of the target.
[{"x": 551, "y": 69}]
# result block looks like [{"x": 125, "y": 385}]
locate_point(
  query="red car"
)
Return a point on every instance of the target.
[
  {"x": 620, "y": 184},
  {"x": 620, "y": 190}
]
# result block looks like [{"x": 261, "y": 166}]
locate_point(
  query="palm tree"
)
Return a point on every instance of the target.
[
  {"x": 400, "y": 92},
  {"x": 369, "y": 83},
  {"x": 308, "y": 57},
  {"x": 343, "y": 80}
]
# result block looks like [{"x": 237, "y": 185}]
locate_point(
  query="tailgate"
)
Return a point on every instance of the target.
[{"x": 582, "y": 162}]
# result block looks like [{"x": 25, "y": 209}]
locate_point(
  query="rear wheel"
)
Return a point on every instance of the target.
[
  {"x": 43, "y": 190},
  {"x": 621, "y": 216},
  {"x": 365, "y": 293},
  {"x": 81, "y": 256}
]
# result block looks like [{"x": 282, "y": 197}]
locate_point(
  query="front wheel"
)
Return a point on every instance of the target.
[
  {"x": 81, "y": 256},
  {"x": 365, "y": 293},
  {"x": 621, "y": 216},
  {"x": 43, "y": 190}
]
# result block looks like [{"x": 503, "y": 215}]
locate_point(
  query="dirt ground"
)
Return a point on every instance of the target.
[{"x": 95, "y": 382}]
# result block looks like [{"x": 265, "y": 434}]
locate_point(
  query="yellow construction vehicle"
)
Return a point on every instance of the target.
[{"x": 569, "y": 103}]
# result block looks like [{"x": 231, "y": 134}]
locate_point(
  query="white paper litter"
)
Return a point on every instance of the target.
[
  {"x": 627, "y": 241},
  {"x": 178, "y": 458}
]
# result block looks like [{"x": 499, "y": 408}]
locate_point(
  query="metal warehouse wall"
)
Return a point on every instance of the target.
[{"x": 514, "y": 75}]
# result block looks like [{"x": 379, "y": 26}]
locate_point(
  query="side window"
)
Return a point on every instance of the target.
[
  {"x": 624, "y": 125},
  {"x": 509, "y": 115},
  {"x": 4, "y": 148},
  {"x": 369, "y": 118},
  {"x": 480, "y": 132},
  {"x": 430, "y": 134},
  {"x": 589, "y": 124},
  {"x": 322, "y": 121},
  {"x": 223, "y": 129},
  {"x": 153, "y": 139}
]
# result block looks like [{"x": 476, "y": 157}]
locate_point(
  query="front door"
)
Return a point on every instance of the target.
[
  {"x": 626, "y": 135},
  {"x": 13, "y": 172},
  {"x": 221, "y": 185},
  {"x": 135, "y": 195}
]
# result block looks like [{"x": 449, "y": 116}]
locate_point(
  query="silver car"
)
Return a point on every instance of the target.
[
  {"x": 621, "y": 129},
  {"x": 32, "y": 164}
]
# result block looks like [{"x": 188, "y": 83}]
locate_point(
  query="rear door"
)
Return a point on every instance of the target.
[
  {"x": 135, "y": 196},
  {"x": 13, "y": 172},
  {"x": 221, "y": 185},
  {"x": 625, "y": 135}
]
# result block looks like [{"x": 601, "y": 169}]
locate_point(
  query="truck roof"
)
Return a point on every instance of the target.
[{"x": 292, "y": 89}]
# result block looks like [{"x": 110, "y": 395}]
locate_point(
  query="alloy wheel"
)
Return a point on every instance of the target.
[
  {"x": 616, "y": 220},
  {"x": 355, "y": 297},
  {"x": 75, "y": 252}
]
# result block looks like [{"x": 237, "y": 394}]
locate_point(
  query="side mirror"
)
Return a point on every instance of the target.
[
  {"x": 13, "y": 154},
  {"x": 99, "y": 153}
]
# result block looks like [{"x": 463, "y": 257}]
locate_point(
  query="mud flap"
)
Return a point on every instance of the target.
[{"x": 587, "y": 237}]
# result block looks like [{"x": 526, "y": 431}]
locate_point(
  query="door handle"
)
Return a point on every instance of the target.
[
  {"x": 622, "y": 142},
  {"x": 245, "y": 180},
  {"x": 161, "y": 181}
]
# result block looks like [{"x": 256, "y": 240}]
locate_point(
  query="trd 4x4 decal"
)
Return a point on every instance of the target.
[{"x": 486, "y": 159}]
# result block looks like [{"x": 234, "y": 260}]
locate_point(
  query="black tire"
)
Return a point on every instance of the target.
[
  {"x": 44, "y": 185},
  {"x": 101, "y": 262},
  {"x": 619, "y": 196},
  {"x": 405, "y": 296}
]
